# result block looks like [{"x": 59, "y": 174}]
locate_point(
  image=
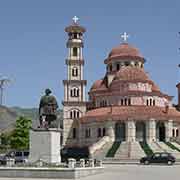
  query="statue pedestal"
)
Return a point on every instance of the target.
[{"x": 45, "y": 145}]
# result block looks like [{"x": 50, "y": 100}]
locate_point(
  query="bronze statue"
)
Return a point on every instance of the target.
[{"x": 47, "y": 109}]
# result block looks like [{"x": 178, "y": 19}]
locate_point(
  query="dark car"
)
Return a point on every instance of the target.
[
  {"x": 18, "y": 156},
  {"x": 164, "y": 158}
]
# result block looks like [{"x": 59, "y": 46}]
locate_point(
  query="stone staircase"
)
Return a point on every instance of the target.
[
  {"x": 176, "y": 144},
  {"x": 129, "y": 150},
  {"x": 168, "y": 149},
  {"x": 155, "y": 147},
  {"x": 136, "y": 151},
  {"x": 122, "y": 152},
  {"x": 101, "y": 153},
  {"x": 99, "y": 149},
  {"x": 163, "y": 147}
]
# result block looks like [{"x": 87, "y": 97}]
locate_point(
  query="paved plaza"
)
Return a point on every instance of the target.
[{"x": 135, "y": 172}]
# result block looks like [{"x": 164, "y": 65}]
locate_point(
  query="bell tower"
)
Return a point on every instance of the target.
[{"x": 74, "y": 87}]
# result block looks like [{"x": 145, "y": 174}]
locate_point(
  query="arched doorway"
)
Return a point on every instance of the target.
[
  {"x": 160, "y": 131},
  {"x": 140, "y": 131},
  {"x": 120, "y": 131}
]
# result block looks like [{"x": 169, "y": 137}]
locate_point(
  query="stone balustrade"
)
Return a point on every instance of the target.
[
  {"x": 72, "y": 163},
  {"x": 98, "y": 145}
]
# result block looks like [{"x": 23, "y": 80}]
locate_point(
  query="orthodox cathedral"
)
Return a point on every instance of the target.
[{"x": 126, "y": 110}]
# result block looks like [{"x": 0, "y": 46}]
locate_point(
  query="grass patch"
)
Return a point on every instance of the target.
[
  {"x": 172, "y": 146},
  {"x": 113, "y": 149},
  {"x": 148, "y": 151}
]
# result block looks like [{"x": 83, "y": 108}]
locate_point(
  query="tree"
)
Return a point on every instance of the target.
[{"x": 20, "y": 135}]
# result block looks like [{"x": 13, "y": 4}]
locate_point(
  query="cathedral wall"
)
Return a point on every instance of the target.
[
  {"x": 140, "y": 87},
  {"x": 93, "y": 138}
]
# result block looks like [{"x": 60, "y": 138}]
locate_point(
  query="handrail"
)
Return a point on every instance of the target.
[{"x": 98, "y": 145}]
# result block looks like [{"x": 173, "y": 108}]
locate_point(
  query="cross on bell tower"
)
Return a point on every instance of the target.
[
  {"x": 74, "y": 104},
  {"x": 75, "y": 19}
]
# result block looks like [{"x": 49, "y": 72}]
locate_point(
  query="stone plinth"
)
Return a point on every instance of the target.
[{"x": 45, "y": 145}]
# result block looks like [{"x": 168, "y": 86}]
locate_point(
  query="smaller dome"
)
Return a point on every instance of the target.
[
  {"x": 131, "y": 73},
  {"x": 99, "y": 84},
  {"x": 155, "y": 87},
  {"x": 124, "y": 50},
  {"x": 96, "y": 84}
]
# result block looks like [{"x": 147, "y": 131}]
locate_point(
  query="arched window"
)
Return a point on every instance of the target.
[
  {"x": 129, "y": 102},
  {"x": 74, "y": 114},
  {"x": 75, "y": 35},
  {"x": 71, "y": 114},
  {"x": 150, "y": 102},
  {"x": 75, "y": 71},
  {"x": 173, "y": 133},
  {"x": 88, "y": 133},
  {"x": 117, "y": 67},
  {"x": 104, "y": 131},
  {"x": 177, "y": 133},
  {"x": 122, "y": 102},
  {"x": 74, "y": 133},
  {"x": 74, "y": 92},
  {"x": 154, "y": 102},
  {"x": 147, "y": 102},
  {"x": 99, "y": 132},
  {"x": 125, "y": 102},
  {"x": 75, "y": 51}
]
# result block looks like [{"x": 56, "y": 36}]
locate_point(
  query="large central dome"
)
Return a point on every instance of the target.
[
  {"x": 124, "y": 50},
  {"x": 131, "y": 73}
]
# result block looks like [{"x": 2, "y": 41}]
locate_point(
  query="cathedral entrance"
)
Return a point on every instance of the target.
[
  {"x": 120, "y": 131},
  {"x": 140, "y": 131},
  {"x": 161, "y": 131}
]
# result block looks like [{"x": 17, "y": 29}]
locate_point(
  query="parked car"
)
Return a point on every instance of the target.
[
  {"x": 164, "y": 158},
  {"x": 19, "y": 156}
]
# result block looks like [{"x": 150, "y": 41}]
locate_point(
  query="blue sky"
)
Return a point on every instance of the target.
[{"x": 33, "y": 42}]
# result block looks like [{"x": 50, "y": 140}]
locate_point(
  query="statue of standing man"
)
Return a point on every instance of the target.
[{"x": 47, "y": 109}]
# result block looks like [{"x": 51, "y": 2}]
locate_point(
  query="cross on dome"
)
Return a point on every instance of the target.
[
  {"x": 125, "y": 36},
  {"x": 75, "y": 19}
]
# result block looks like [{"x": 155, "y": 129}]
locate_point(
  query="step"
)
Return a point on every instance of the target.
[
  {"x": 176, "y": 144},
  {"x": 129, "y": 150},
  {"x": 155, "y": 147}
]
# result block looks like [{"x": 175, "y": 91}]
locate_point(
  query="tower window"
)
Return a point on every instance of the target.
[
  {"x": 74, "y": 92},
  {"x": 154, "y": 103},
  {"x": 74, "y": 114},
  {"x": 75, "y": 52},
  {"x": 74, "y": 133},
  {"x": 75, "y": 35},
  {"x": 75, "y": 71}
]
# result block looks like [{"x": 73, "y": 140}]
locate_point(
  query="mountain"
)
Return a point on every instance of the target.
[
  {"x": 31, "y": 113},
  {"x": 7, "y": 119},
  {"x": 8, "y": 116}
]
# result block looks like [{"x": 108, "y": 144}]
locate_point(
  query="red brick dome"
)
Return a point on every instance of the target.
[
  {"x": 131, "y": 73},
  {"x": 99, "y": 84},
  {"x": 124, "y": 50}
]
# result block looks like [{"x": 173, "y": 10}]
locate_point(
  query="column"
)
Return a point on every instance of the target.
[
  {"x": 168, "y": 129},
  {"x": 151, "y": 130},
  {"x": 130, "y": 131},
  {"x": 110, "y": 126}
]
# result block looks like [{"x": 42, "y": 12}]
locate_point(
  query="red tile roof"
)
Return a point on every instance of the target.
[
  {"x": 124, "y": 50},
  {"x": 118, "y": 113}
]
